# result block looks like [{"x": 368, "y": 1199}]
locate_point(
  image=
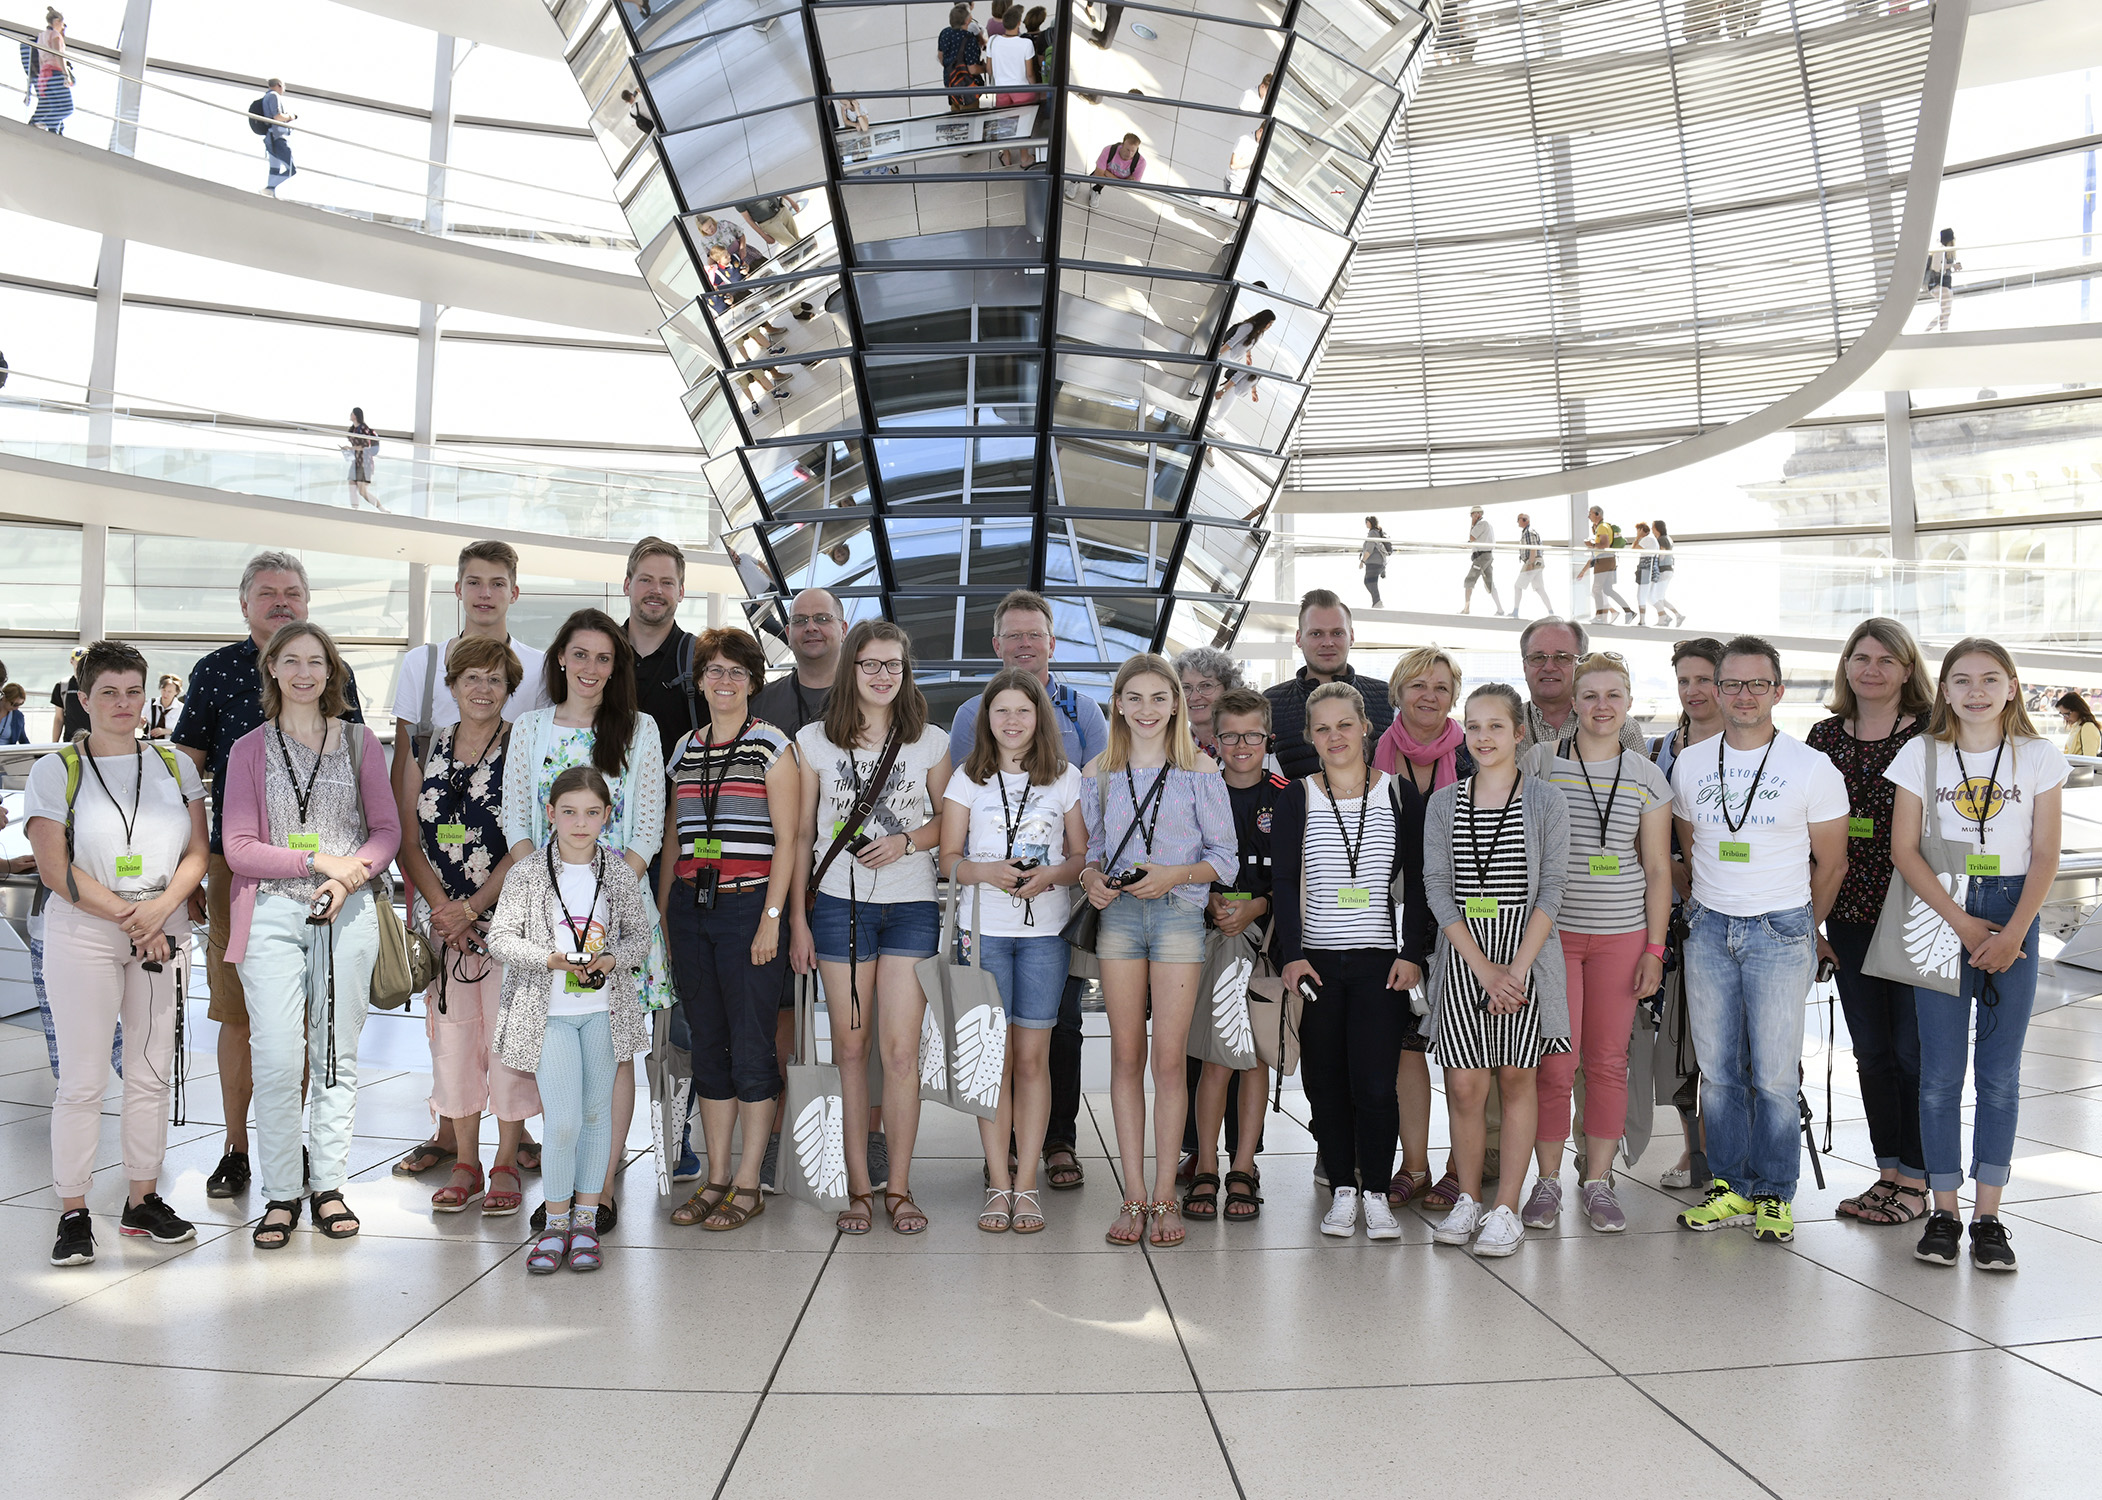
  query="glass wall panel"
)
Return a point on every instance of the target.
[
  {"x": 2044, "y": 459},
  {"x": 1129, "y": 395},
  {"x": 1114, "y": 224},
  {"x": 739, "y": 160},
  {"x": 1105, "y": 474},
  {"x": 899, "y": 219},
  {"x": 1120, "y": 310},
  {"x": 40, "y": 571},
  {"x": 957, "y": 306},
  {"x": 741, "y": 71}
]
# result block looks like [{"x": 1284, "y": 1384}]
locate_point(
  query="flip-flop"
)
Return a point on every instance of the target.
[
  {"x": 1063, "y": 1176},
  {"x": 424, "y": 1158}
]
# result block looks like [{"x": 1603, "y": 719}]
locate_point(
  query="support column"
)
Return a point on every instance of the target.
[
  {"x": 1897, "y": 463},
  {"x": 94, "y": 565},
  {"x": 102, "y": 360},
  {"x": 427, "y": 336},
  {"x": 131, "y": 63},
  {"x": 1579, "y": 538}
]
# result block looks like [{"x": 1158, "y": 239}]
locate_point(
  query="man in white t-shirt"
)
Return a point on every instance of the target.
[
  {"x": 1763, "y": 819},
  {"x": 1481, "y": 562}
]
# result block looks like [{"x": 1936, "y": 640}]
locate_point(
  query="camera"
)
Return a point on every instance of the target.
[
  {"x": 1128, "y": 878},
  {"x": 318, "y": 911},
  {"x": 1307, "y": 991},
  {"x": 590, "y": 981},
  {"x": 1024, "y": 866},
  {"x": 859, "y": 842},
  {"x": 151, "y": 966},
  {"x": 706, "y": 879}
]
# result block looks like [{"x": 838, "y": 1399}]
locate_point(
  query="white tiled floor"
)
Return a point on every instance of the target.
[{"x": 1257, "y": 1360}]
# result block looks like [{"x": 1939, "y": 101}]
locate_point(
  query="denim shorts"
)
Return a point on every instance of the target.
[
  {"x": 1031, "y": 973},
  {"x": 1166, "y": 930},
  {"x": 898, "y": 929}
]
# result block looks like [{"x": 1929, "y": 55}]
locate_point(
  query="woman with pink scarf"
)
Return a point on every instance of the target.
[{"x": 1425, "y": 744}]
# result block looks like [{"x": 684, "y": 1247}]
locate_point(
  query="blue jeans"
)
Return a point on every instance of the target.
[
  {"x": 277, "y": 152},
  {"x": 576, "y": 1104},
  {"x": 1165, "y": 930},
  {"x": 2004, "y": 1003},
  {"x": 893, "y": 929},
  {"x": 1747, "y": 979},
  {"x": 1031, "y": 973}
]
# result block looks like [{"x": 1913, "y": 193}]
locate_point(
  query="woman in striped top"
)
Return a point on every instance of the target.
[
  {"x": 721, "y": 891},
  {"x": 1159, "y": 823},
  {"x": 1495, "y": 863},
  {"x": 1342, "y": 836},
  {"x": 1612, "y": 924}
]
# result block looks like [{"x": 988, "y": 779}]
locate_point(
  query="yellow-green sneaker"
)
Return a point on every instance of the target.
[
  {"x": 1773, "y": 1220},
  {"x": 1722, "y": 1206}
]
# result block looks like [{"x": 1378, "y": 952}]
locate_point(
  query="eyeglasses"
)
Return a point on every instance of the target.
[
  {"x": 799, "y": 621},
  {"x": 881, "y": 668},
  {"x": 717, "y": 672},
  {"x": 1250, "y": 737},
  {"x": 1758, "y": 687},
  {"x": 1556, "y": 658},
  {"x": 1024, "y": 637}
]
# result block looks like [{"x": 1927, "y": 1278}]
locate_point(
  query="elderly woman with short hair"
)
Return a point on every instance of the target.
[{"x": 1206, "y": 672}]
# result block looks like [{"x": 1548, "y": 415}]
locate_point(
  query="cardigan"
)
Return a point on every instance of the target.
[
  {"x": 641, "y": 826},
  {"x": 1547, "y": 874},
  {"x": 245, "y": 827},
  {"x": 1288, "y": 842},
  {"x": 522, "y": 933},
  {"x": 1295, "y": 757}
]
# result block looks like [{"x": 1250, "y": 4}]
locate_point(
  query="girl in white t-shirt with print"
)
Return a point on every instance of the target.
[
  {"x": 1012, "y": 832},
  {"x": 1997, "y": 792}
]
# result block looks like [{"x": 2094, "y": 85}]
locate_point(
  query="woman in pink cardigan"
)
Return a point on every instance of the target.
[{"x": 309, "y": 821}]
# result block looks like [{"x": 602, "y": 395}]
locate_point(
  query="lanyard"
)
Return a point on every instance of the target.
[
  {"x": 304, "y": 797},
  {"x": 577, "y": 935},
  {"x": 459, "y": 773},
  {"x": 1984, "y": 801},
  {"x": 138, "y": 756},
  {"x": 1013, "y": 824},
  {"x": 1722, "y": 788},
  {"x": 1364, "y": 801},
  {"x": 710, "y": 796},
  {"x": 1605, "y": 819},
  {"x": 1481, "y": 865},
  {"x": 1138, "y": 808}
]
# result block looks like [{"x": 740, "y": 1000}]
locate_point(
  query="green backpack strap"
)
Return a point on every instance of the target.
[{"x": 69, "y": 757}]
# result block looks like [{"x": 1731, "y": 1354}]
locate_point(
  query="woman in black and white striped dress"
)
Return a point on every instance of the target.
[{"x": 1495, "y": 851}]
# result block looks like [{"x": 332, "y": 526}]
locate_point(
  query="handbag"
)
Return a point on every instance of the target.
[
  {"x": 669, "y": 1071},
  {"x": 1221, "y": 1031},
  {"x": 864, "y": 804},
  {"x": 406, "y": 965},
  {"x": 1273, "y": 1020},
  {"x": 1913, "y": 944},
  {"x": 1086, "y": 921},
  {"x": 813, "y": 1115},
  {"x": 963, "y": 1041}
]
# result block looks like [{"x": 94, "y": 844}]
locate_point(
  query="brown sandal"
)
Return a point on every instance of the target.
[
  {"x": 1134, "y": 1211},
  {"x": 1892, "y": 1207},
  {"x": 1163, "y": 1233},
  {"x": 905, "y": 1215},
  {"x": 854, "y": 1220},
  {"x": 734, "y": 1214},
  {"x": 699, "y": 1206},
  {"x": 1065, "y": 1175}
]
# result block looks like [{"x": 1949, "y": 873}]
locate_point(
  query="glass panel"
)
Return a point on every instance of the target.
[
  {"x": 1203, "y": 623},
  {"x": 805, "y": 315},
  {"x": 1000, "y": 552},
  {"x": 667, "y": 266},
  {"x": 1218, "y": 560},
  {"x": 2009, "y": 461},
  {"x": 691, "y": 342},
  {"x": 737, "y": 72},
  {"x": 1326, "y": 97},
  {"x": 652, "y": 206},
  {"x": 1291, "y": 257},
  {"x": 740, "y": 160},
  {"x": 929, "y": 623},
  {"x": 898, "y": 219},
  {"x": 800, "y": 229},
  {"x": 1104, "y": 628},
  {"x": 1312, "y": 178},
  {"x": 1236, "y": 486},
  {"x": 1186, "y": 57},
  {"x": 821, "y": 476},
  {"x": 795, "y": 400},
  {"x": 1117, "y": 310},
  {"x": 824, "y": 554},
  {"x": 1100, "y": 474},
  {"x": 1111, "y": 223},
  {"x": 921, "y": 469},
  {"x": 1127, "y": 395},
  {"x": 953, "y": 390},
  {"x": 1098, "y": 552},
  {"x": 925, "y": 554},
  {"x": 1377, "y": 35},
  {"x": 714, "y": 423},
  {"x": 1254, "y": 412},
  {"x": 660, "y": 25},
  {"x": 1285, "y": 341},
  {"x": 930, "y": 307},
  {"x": 733, "y": 491}
]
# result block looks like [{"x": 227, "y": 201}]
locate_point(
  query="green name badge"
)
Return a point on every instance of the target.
[
  {"x": 1861, "y": 828},
  {"x": 451, "y": 835},
  {"x": 1981, "y": 864},
  {"x": 837, "y": 824},
  {"x": 1734, "y": 854},
  {"x": 1481, "y": 908},
  {"x": 130, "y": 866},
  {"x": 1237, "y": 895},
  {"x": 707, "y": 848},
  {"x": 573, "y": 984},
  {"x": 307, "y": 841},
  {"x": 1354, "y": 898},
  {"x": 1605, "y": 864}
]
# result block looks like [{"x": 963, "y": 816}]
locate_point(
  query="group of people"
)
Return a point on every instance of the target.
[
  {"x": 638, "y": 841},
  {"x": 1655, "y": 564}
]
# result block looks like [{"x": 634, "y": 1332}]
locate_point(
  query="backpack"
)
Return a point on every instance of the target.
[
  {"x": 259, "y": 119},
  {"x": 69, "y": 757},
  {"x": 1618, "y": 539}
]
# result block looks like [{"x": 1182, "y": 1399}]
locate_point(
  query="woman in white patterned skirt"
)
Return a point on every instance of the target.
[{"x": 1495, "y": 858}]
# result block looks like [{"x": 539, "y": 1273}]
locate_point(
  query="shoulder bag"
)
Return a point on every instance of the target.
[
  {"x": 406, "y": 964},
  {"x": 1912, "y": 944},
  {"x": 1086, "y": 921},
  {"x": 813, "y": 1115},
  {"x": 863, "y": 806},
  {"x": 963, "y": 1041}
]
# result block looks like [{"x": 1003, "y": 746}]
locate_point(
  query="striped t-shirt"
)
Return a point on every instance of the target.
[
  {"x": 741, "y": 818},
  {"x": 1330, "y": 925},
  {"x": 1602, "y": 904}
]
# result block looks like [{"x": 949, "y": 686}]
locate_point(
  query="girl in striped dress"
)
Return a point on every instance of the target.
[{"x": 1496, "y": 847}]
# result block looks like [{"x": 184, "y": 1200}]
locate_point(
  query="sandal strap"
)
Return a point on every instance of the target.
[
  {"x": 510, "y": 1172},
  {"x": 1031, "y": 1194}
]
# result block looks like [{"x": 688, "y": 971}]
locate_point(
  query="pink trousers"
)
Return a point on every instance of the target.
[
  {"x": 92, "y": 979},
  {"x": 467, "y": 1077},
  {"x": 1601, "y": 1014}
]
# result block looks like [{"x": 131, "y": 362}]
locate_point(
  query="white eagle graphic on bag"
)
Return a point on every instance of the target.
[
  {"x": 821, "y": 1145},
  {"x": 1230, "y": 1007},
  {"x": 934, "y": 1057},
  {"x": 981, "y": 1053},
  {"x": 1930, "y": 942}
]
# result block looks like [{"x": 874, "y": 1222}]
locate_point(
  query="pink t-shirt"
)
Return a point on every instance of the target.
[{"x": 1116, "y": 166}]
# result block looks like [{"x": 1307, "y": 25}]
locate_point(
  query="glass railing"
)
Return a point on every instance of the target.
[
  {"x": 155, "y": 439},
  {"x": 2038, "y": 283},
  {"x": 1966, "y": 584},
  {"x": 201, "y": 128}
]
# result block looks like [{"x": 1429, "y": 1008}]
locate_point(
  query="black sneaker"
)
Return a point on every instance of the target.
[
  {"x": 539, "y": 1219},
  {"x": 231, "y": 1176},
  {"x": 770, "y": 1165},
  {"x": 76, "y": 1240},
  {"x": 1989, "y": 1248},
  {"x": 1941, "y": 1238},
  {"x": 879, "y": 1159},
  {"x": 608, "y": 1216},
  {"x": 151, "y": 1218}
]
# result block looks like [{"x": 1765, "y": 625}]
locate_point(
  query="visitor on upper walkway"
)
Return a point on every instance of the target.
[
  {"x": 1481, "y": 562},
  {"x": 1373, "y": 557},
  {"x": 1532, "y": 567},
  {"x": 277, "y": 136}
]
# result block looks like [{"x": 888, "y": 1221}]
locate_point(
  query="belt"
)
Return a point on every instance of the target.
[{"x": 743, "y": 883}]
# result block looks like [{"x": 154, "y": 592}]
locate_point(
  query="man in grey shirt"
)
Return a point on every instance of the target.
[
  {"x": 1481, "y": 562},
  {"x": 1551, "y": 647}
]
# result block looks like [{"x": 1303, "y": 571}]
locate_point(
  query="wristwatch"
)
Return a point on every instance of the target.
[
  {"x": 310, "y": 861},
  {"x": 773, "y": 913}
]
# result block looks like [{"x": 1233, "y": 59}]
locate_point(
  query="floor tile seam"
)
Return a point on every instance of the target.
[
  {"x": 1701, "y": 1437},
  {"x": 774, "y": 1373},
  {"x": 2015, "y": 1351},
  {"x": 1417, "y": 1385},
  {"x": 151, "y": 1364},
  {"x": 1801, "y": 1254},
  {"x": 175, "y": 1253},
  {"x": 457, "y": 1383}
]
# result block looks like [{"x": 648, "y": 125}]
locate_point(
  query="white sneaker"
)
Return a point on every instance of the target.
[
  {"x": 1458, "y": 1227},
  {"x": 1380, "y": 1223},
  {"x": 1677, "y": 1177},
  {"x": 1341, "y": 1220},
  {"x": 1501, "y": 1234}
]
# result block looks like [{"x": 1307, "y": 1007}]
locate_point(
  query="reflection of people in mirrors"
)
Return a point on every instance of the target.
[
  {"x": 1257, "y": 100},
  {"x": 840, "y": 554},
  {"x": 1106, "y": 28},
  {"x": 1123, "y": 162},
  {"x": 1239, "y": 344},
  {"x": 638, "y": 112},
  {"x": 1013, "y": 62},
  {"x": 962, "y": 58},
  {"x": 1456, "y": 33},
  {"x": 774, "y": 218},
  {"x": 1242, "y": 162}
]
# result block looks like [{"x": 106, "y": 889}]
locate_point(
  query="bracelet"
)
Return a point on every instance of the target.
[{"x": 1654, "y": 950}]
